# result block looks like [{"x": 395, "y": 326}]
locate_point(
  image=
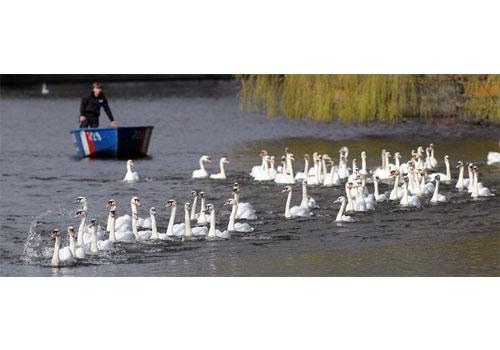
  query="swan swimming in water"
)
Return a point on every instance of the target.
[
  {"x": 340, "y": 216},
  {"x": 194, "y": 195},
  {"x": 222, "y": 174},
  {"x": 236, "y": 226},
  {"x": 378, "y": 197},
  {"x": 77, "y": 252},
  {"x": 286, "y": 177},
  {"x": 244, "y": 210},
  {"x": 59, "y": 255},
  {"x": 172, "y": 228},
  {"x": 408, "y": 200},
  {"x": 131, "y": 176},
  {"x": 262, "y": 168},
  {"x": 460, "y": 185},
  {"x": 437, "y": 197},
  {"x": 188, "y": 232},
  {"x": 202, "y": 218},
  {"x": 296, "y": 210},
  {"x": 445, "y": 178},
  {"x": 213, "y": 233},
  {"x": 303, "y": 175},
  {"x": 111, "y": 206},
  {"x": 493, "y": 157},
  {"x": 202, "y": 173},
  {"x": 478, "y": 189}
]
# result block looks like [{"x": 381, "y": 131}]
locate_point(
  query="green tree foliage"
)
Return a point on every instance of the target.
[{"x": 369, "y": 97}]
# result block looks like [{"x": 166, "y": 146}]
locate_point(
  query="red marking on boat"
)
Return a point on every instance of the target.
[{"x": 90, "y": 142}]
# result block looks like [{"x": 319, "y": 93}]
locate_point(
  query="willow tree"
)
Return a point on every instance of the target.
[{"x": 369, "y": 97}]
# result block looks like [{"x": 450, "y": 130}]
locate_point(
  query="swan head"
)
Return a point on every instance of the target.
[
  {"x": 431, "y": 145},
  {"x": 306, "y": 156},
  {"x": 135, "y": 201},
  {"x": 202, "y": 194},
  {"x": 230, "y": 201},
  {"x": 437, "y": 178},
  {"x": 55, "y": 233},
  {"x": 206, "y": 158},
  {"x": 194, "y": 194},
  {"x": 93, "y": 222},
  {"x": 224, "y": 160},
  {"x": 270, "y": 159},
  {"x": 236, "y": 186},
  {"x": 286, "y": 189},
  {"x": 397, "y": 155},
  {"x": 130, "y": 164},
  {"x": 460, "y": 164},
  {"x": 170, "y": 203},
  {"x": 187, "y": 206},
  {"x": 152, "y": 211},
  {"x": 341, "y": 199},
  {"x": 363, "y": 154},
  {"x": 81, "y": 200},
  {"x": 111, "y": 204},
  {"x": 304, "y": 182},
  {"x": 291, "y": 156},
  {"x": 262, "y": 153},
  {"x": 475, "y": 168},
  {"x": 71, "y": 231},
  {"x": 420, "y": 150},
  {"x": 208, "y": 208},
  {"x": 446, "y": 158},
  {"x": 79, "y": 214}
]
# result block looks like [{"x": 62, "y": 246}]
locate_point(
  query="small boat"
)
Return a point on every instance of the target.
[{"x": 115, "y": 142}]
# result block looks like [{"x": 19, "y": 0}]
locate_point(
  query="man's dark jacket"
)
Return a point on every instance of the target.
[{"x": 91, "y": 105}]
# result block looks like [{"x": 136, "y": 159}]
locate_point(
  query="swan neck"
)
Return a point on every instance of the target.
[
  {"x": 112, "y": 236},
  {"x": 202, "y": 166},
  {"x": 230, "y": 226},
  {"x": 341, "y": 211},
  {"x": 187, "y": 224},
  {"x": 154, "y": 230},
  {"x": 80, "y": 230},
  {"x": 304, "y": 202},
  {"x": 202, "y": 207},
  {"x": 193, "y": 208},
  {"x": 170, "y": 227},
  {"x": 287, "y": 207},
  {"x": 222, "y": 171},
  {"x": 211, "y": 232}
]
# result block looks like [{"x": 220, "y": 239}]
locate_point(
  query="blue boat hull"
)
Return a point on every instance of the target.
[{"x": 119, "y": 142}]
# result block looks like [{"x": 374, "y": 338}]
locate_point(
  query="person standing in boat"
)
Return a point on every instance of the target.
[{"x": 90, "y": 108}]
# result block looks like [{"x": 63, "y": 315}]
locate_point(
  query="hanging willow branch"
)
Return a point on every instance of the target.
[{"x": 369, "y": 97}]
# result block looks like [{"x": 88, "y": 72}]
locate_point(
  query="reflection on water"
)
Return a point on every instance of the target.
[{"x": 40, "y": 173}]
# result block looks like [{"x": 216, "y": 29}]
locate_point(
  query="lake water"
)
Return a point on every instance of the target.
[{"x": 40, "y": 177}]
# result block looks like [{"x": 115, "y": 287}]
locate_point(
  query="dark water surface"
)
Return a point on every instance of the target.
[{"x": 40, "y": 177}]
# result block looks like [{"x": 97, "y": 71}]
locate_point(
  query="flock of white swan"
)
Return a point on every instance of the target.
[{"x": 410, "y": 183}]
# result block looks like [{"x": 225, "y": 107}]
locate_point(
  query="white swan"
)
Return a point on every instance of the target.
[
  {"x": 45, "y": 89},
  {"x": 460, "y": 185},
  {"x": 307, "y": 201},
  {"x": 340, "y": 216},
  {"x": 172, "y": 228},
  {"x": 287, "y": 176},
  {"x": 363, "y": 170},
  {"x": 303, "y": 175},
  {"x": 153, "y": 233},
  {"x": 59, "y": 255},
  {"x": 378, "y": 197},
  {"x": 437, "y": 197},
  {"x": 213, "y": 233},
  {"x": 188, "y": 231},
  {"x": 233, "y": 226},
  {"x": 262, "y": 168},
  {"x": 296, "y": 210},
  {"x": 93, "y": 243},
  {"x": 396, "y": 192},
  {"x": 202, "y": 217},
  {"x": 433, "y": 162},
  {"x": 493, "y": 157},
  {"x": 349, "y": 192},
  {"x": 81, "y": 214},
  {"x": 77, "y": 252},
  {"x": 408, "y": 200},
  {"x": 131, "y": 176},
  {"x": 445, "y": 178},
  {"x": 266, "y": 173},
  {"x": 194, "y": 194},
  {"x": 478, "y": 189},
  {"x": 245, "y": 210},
  {"x": 425, "y": 187},
  {"x": 202, "y": 173},
  {"x": 222, "y": 174},
  {"x": 111, "y": 205}
]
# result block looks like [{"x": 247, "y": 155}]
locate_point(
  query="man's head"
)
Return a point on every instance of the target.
[{"x": 97, "y": 88}]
